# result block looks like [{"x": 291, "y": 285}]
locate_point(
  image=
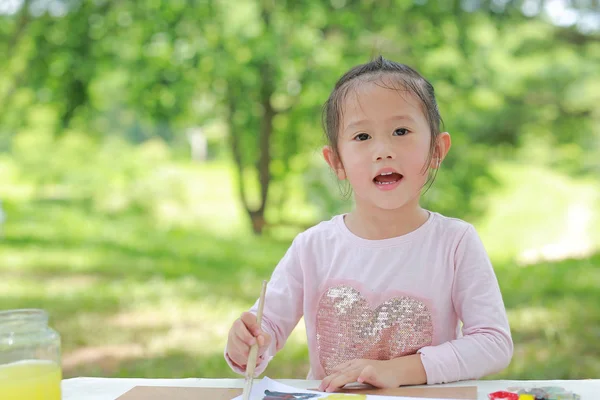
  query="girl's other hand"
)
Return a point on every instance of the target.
[
  {"x": 373, "y": 372},
  {"x": 407, "y": 370}
]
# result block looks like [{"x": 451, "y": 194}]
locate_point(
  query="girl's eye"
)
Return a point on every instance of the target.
[
  {"x": 361, "y": 137},
  {"x": 400, "y": 132}
]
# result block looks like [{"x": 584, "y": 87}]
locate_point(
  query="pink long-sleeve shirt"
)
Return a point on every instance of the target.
[{"x": 432, "y": 291}]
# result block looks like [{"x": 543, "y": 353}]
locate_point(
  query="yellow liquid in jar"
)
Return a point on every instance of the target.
[{"x": 31, "y": 380}]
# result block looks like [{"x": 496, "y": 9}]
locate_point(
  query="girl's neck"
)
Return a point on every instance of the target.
[{"x": 377, "y": 224}]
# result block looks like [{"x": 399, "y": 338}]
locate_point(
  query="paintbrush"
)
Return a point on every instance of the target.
[{"x": 254, "y": 348}]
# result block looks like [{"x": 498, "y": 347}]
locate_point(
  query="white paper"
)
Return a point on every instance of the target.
[{"x": 260, "y": 386}]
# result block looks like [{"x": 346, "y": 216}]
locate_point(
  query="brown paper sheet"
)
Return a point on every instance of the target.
[{"x": 196, "y": 393}]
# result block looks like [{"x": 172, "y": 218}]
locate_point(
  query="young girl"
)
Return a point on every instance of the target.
[{"x": 383, "y": 289}]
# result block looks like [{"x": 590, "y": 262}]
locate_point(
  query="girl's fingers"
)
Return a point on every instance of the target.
[
  {"x": 327, "y": 380},
  {"x": 237, "y": 357},
  {"x": 342, "y": 379},
  {"x": 369, "y": 375},
  {"x": 242, "y": 339},
  {"x": 249, "y": 321},
  {"x": 244, "y": 335},
  {"x": 264, "y": 340},
  {"x": 325, "y": 383},
  {"x": 337, "y": 380},
  {"x": 241, "y": 352}
]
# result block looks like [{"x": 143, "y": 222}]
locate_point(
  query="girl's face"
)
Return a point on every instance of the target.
[{"x": 383, "y": 146}]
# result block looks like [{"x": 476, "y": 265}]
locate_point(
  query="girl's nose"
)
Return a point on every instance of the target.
[
  {"x": 384, "y": 152},
  {"x": 389, "y": 157}
]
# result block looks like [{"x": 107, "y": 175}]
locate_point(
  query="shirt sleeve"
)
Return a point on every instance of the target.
[
  {"x": 486, "y": 346},
  {"x": 283, "y": 306}
]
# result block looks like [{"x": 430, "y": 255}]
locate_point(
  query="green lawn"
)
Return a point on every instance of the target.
[{"x": 150, "y": 295}]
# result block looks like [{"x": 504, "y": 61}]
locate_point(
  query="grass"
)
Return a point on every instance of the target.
[
  {"x": 554, "y": 311},
  {"x": 535, "y": 209},
  {"x": 121, "y": 282},
  {"x": 152, "y": 292}
]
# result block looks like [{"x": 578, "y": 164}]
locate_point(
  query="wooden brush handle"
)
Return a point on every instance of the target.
[{"x": 251, "y": 365}]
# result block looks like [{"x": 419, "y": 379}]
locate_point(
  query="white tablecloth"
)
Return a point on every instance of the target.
[{"x": 111, "y": 388}]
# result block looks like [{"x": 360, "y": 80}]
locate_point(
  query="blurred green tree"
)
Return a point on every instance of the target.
[{"x": 512, "y": 77}]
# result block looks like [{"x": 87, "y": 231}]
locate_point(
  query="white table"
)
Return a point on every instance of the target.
[{"x": 111, "y": 388}]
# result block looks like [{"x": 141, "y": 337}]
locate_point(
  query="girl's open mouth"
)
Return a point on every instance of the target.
[{"x": 387, "y": 180}]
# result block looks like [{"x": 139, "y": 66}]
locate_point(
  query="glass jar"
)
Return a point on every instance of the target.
[{"x": 29, "y": 356}]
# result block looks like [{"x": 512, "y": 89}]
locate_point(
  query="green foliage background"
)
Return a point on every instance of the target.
[{"x": 143, "y": 256}]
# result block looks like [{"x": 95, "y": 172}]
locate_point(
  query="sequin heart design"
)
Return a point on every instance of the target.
[{"x": 349, "y": 328}]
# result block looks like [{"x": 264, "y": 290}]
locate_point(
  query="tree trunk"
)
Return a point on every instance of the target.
[
  {"x": 263, "y": 164},
  {"x": 266, "y": 131},
  {"x": 257, "y": 215}
]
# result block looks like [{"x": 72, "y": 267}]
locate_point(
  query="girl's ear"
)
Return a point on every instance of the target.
[
  {"x": 333, "y": 160},
  {"x": 442, "y": 146}
]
